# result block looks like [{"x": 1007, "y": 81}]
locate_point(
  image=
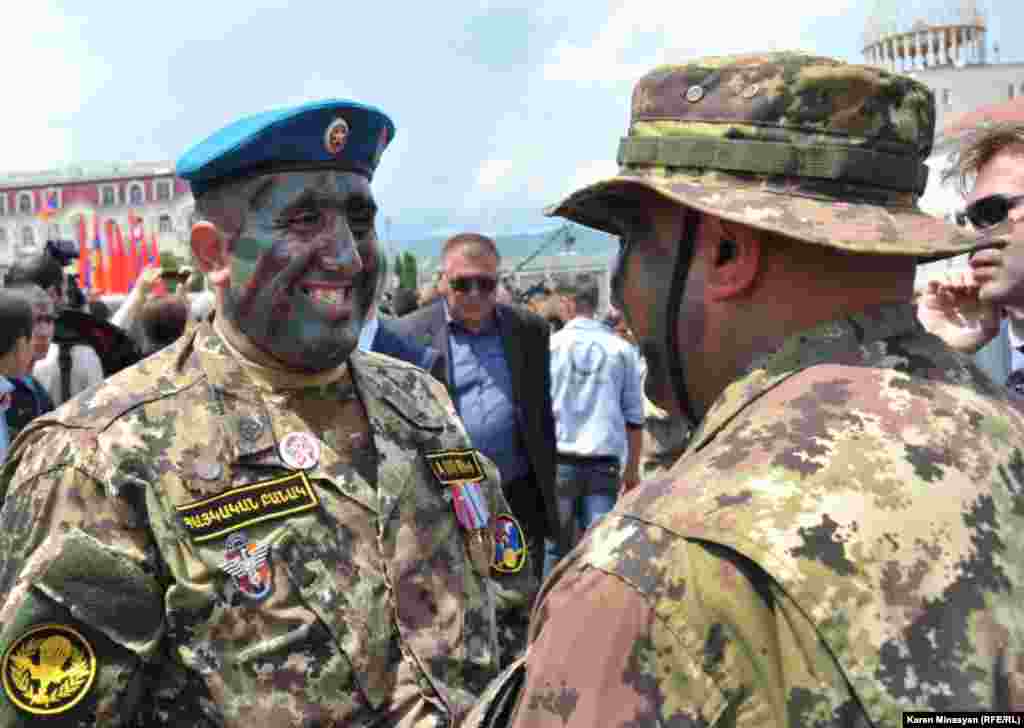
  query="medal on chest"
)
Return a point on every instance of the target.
[{"x": 460, "y": 472}]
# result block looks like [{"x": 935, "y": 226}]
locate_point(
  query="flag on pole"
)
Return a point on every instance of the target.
[
  {"x": 99, "y": 280},
  {"x": 118, "y": 260},
  {"x": 83, "y": 254},
  {"x": 49, "y": 207},
  {"x": 136, "y": 232}
]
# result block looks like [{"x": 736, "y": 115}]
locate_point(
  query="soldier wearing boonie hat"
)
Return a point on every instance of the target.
[
  {"x": 258, "y": 525},
  {"x": 840, "y": 542}
]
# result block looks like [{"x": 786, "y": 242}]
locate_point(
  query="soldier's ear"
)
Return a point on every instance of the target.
[
  {"x": 210, "y": 252},
  {"x": 734, "y": 258}
]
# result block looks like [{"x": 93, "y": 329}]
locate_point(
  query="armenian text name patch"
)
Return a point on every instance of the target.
[
  {"x": 455, "y": 466},
  {"x": 248, "y": 504}
]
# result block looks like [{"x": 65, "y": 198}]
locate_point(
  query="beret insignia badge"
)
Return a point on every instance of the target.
[
  {"x": 336, "y": 136},
  {"x": 49, "y": 669}
]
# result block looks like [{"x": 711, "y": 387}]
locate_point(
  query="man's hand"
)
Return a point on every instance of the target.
[
  {"x": 147, "y": 279},
  {"x": 951, "y": 308}
]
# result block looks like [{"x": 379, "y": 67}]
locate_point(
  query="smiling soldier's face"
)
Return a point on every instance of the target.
[{"x": 303, "y": 265}]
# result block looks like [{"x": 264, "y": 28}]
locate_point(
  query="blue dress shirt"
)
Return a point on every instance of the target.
[{"x": 481, "y": 387}]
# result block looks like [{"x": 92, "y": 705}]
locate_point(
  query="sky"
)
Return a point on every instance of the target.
[{"x": 501, "y": 106}]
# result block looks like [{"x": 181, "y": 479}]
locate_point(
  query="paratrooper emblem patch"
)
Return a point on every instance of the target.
[{"x": 49, "y": 669}]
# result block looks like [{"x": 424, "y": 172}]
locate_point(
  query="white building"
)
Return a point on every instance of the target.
[{"x": 37, "y": 206}]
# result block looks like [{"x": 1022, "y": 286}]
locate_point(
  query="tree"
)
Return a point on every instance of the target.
[{"x": 408, "y": 273}]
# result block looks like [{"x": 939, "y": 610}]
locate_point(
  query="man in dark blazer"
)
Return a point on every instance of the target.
[{"x": 495, "y": 361}]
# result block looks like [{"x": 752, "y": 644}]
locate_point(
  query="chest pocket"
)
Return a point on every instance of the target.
[{"x": 288, "y": 560}]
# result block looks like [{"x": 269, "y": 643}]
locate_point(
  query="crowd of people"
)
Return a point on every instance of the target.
[{"x": 764, "y": 486}]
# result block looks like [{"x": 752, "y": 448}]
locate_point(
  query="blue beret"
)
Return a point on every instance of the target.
[{"x": 332, "y": 134}]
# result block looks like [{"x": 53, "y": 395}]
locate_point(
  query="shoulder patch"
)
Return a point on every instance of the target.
[
  {"x": 248, "y": 504},
  {"x": 48, "y": 669},
  {"x": 509, "y": 545},
  {"x": 455, "y": 466}
]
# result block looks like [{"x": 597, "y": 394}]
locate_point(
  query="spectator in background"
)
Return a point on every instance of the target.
[
  {"x": 99, "y": 309},
  {"x": 378, "y": 336},
  {"x": 15, "y": 352},
  {"x": 163, "y": 321},
  {"x": 71, "y": 365},
  {"x": 965, "y": 309},
  {"x": 494, "y": 360},
  {"x": 598, "y": 409},
  {"x": 403, "y": 301},
  {"x": 29, "y": 398}
]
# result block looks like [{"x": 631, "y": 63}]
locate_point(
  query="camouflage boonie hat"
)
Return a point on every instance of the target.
[{"x": 813, "y": 148}]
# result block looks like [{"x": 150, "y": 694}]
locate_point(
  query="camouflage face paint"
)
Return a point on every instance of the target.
[{"x": 304, "y": 266}]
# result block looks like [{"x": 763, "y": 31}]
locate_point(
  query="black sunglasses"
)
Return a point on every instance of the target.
[
  {"x": 988, "y": 211},
  {"x": 464, "y": 284}
]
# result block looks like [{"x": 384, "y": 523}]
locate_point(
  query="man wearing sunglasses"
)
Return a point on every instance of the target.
[
  {"x": 840, "y": 542},
  {"x": 964, "y": 309},
  {"x": 495, "y": 361}
]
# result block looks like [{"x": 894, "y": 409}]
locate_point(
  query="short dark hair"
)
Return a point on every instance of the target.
[
  {"x": 41, "y": 269},
  {"x": 100, "y": 310},
  {"x": 16, "y": 319},
  {"x": 163, "y": 321},
  {"x": 585, "y": 292},
  {"x": 474, "y": 245}
]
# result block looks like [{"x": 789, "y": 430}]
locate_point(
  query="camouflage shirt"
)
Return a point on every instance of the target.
[
  {"x": 162, "y": 565},
  {"x": 842, "y": 541},
  {"x": 665, "y": 439}
]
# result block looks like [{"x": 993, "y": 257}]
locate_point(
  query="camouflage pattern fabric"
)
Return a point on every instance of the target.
[
  {"x": 365, "y": 609},
  {"x": 842, "y": 541},
  {"x": 819, "y": 150},
  {"x": 665, "y": 439}
]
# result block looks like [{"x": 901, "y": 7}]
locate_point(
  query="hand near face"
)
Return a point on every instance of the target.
[
  {"x": 148, "y": 279},
  {"x": 951, "y": 308}
]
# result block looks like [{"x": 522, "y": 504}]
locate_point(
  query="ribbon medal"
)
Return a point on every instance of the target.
[{"x": 460, "y": 472}]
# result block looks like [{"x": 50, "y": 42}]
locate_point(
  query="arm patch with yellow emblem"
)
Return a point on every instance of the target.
[{"x": 48, "y": 669}]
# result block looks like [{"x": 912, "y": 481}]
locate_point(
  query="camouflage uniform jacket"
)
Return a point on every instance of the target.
[
  {"x": 843, "y": 538},
  {"x": 342, "y": 597}
]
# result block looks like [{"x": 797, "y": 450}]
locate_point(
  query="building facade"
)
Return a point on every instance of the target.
[{"x": 38, "y": 206}]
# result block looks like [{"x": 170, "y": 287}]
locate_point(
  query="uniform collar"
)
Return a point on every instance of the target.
[
  {"x": 840, "y": 340},
  {"x": 227, "y": 368}
]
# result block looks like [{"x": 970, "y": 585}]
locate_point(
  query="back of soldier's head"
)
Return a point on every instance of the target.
[
  {"x": 40, "y": 269},
  {"x": 163, "y": 321},
  {"x": 15, "y": 319}
]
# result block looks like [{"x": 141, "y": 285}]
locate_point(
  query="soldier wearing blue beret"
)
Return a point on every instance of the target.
[{"x": 259, "y": 525}]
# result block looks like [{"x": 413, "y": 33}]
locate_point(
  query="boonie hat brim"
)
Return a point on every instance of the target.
[{"x": 763, "y": 204}]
